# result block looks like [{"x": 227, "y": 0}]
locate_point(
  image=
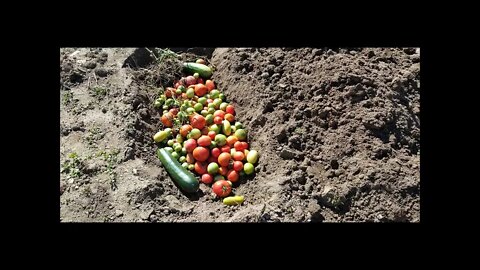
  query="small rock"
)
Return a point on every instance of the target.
[
  {"x": 290, "y": 154},
  {"x": 129, "y": 154},
  {"x": 118, "y": 213},
  {"x": 300, "y": 177},
  {"x": 334, "y": 164},
  {"x": 173, "y": 202},
  {"x": 104, "y": 110},
  {"x": 282, "y": 85},
  {"x": 101, "y": 72},
  {"x": 264, "y": 75},
  {"x": 110, "y": 206},
  {"x": 135, "y": 172},
  {"x": 71, "y": 180},
  {"x": 90, "y": 65},
  {"x": 330, "y": 174},
  {"x": 339, "y": 172}
]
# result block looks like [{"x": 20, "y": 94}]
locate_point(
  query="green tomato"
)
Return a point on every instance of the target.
[
  {"x": 218, "y": 177},
  {"x": 211, "y": 110},
  {"x": 182, "y": 88},
  {"x": 222, "y": 97},
  {"x": 198, "y": 107},
  {"x": 190, "y": 93},
  {"x": 190, "y": 110},
  {"x": 196, "y": 75},
  {"x": 209, "y": 119},
  {"x": 185, "y": 165},
  {"x": 160, "y": 136},
  {"x": 182, "y": 159},
  {"x": 204, "y": 113},
  {"x": 211, "y": 106},
  {"x": 215, "y": 128},
  {"x": 170, "y": 142},
  {"x": 178, "y": 148},
  {"x": 195, "y": 133},
  {"x": 214, "y": 93},
  {"x": 179, "y": 138},
  {"x": 220, "y": 139},
  {"x": 191, "y": 167},
  {"x": 213, "y": 144},
  {"x": 223, "y": 106},
  {"x": 169, "y": 149},
  {"x": 238, "y": 125},
  {"x": 248, "y": 168},
  {"x": 165, "y": 107},
  {"x": 178, "y": 92},
  {"x": 207, "y": 96},
  {"x": 217, "y": 102},
  {"x": 212, "y": 168},
  {"x": 169, "y": 131},
  {"x": 175, "y": 155},
  {"x": 202, "y": 101},
  {"x": 184, "y": 151},
  {"x": 241, "y": 134}
]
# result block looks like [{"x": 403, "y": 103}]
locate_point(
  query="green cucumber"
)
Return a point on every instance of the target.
[
  {"x": 203, "y": 70},
  {"x": 185, "y": 179}
]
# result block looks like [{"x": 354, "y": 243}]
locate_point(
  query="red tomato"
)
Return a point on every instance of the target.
[
  {"x": 222, "y": 188},
  {"x": 239, "y": 156},
  {"x": 225, "y": 149},
  {"x": 238, "y": 166},
  {"x": 217, "y": 120},
  {"x": 174, "y": 111},
  {"x": 229, "y": 117},
  {"x": 223, "y": 171},
  {"x": 201, "y": 153},
  {"x": 167, "y": 119},
  {"x": 200, "y": 80},
  {"x": 212, "y": 134},
  {"x": 219, "y": 113},
  {"x": 204, "y": 141},
  {"x": 231, "y": 140},
  {"x": 190, "y": 145},
  {"x": 238, "y": 146},
  {"x": 185, "y": 129},
  {"x": 210, "y": 85},
  {"x": 200, "y": 90},
  {"x": 207, "y": 178},
  {"x": 216, "y": 152},
  {"x": 201, "y": 167},
  {"x": 224, "y": 159},
  {"x": 232, "y": 176},
  {"x": 230, "y": 109},
  {"x": 198, "y": 121}
]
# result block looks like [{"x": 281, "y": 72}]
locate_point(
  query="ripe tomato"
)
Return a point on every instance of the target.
[
  {"x": 198, "y": 121},
  {"x": 200, "y": 90},
  {"x": 190, "y": 145},
  {"x": 224, "y": 159},
  {"x": 238, "y": 166},
  {"x": 216, "y": 152},
  {"x": 230, "y": 109},
  {"x": 212, "y": 134},
  {"x": 207, "y": 178},
  {"x": 167, "y": 119},
  {"x": 225, "y": 149},
  {"x": 201, "y": 153},
  {"x": 200, "y": 167},
  {"x": 210, "y": 85},
  {"x": 223, "y": 171},
  {"x": 239, "y": 156},
  {"x": 185, "y": 129},
  {"x": 217, "y": 120},
  {"x": 229, "y": 117},
  {"x": 204, "y": 141},
  {"x": 233, "y": 176},
  {"x": 231, "y": 140},
  {"x": 222, "y": 188}
]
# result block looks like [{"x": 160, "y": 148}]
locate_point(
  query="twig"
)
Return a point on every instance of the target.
[
  {"x": 154, "y": 56},
  {"x": 95, "y": 76}
]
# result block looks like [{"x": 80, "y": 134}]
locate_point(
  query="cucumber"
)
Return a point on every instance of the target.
[
  {"x": 203, "y": 70},
  {"x": 185, "y": 179}
]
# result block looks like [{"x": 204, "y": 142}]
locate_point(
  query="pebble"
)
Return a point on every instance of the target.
[{"x": 118, "y": 213}]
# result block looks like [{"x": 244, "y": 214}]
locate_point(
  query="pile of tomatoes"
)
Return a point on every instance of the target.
[{"x": 202, "y": 133}]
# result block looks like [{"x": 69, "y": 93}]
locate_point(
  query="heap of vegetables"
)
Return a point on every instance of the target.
[{"x": 201, "y": 135}]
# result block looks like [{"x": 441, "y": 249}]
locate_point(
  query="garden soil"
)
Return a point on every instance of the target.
[{"x": 337, "y": 130}]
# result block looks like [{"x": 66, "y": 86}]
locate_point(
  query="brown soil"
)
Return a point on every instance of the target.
[{"x": 338, "y": 132}]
